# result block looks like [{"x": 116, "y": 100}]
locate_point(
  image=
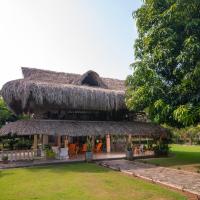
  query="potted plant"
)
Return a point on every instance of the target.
[
  {"x": 88, "y": 153},
  {"x": 5, "y": 159},
  {"x": 129, "y": 151},
  {"x": 50, "y": 154},
  {"x": 161, "y": 150}
]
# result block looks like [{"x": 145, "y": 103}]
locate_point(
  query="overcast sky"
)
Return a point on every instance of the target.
[{"x": 67, "y": 36}]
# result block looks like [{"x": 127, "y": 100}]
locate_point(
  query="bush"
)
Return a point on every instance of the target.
[
  {"x": 89, "y": 144},
  {"x": 5, "y": 158},
  {"x": 16, "y": 143},
  {"x": 23, "y": 144},
  {"x": 161, "y": 149},
  {"x": 189, "y": 135},
  {"x": 50, "y": 154}
]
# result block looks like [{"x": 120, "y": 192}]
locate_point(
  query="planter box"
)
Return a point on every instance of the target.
[
  {"x": 129, "y": 155},
  {"x": 88, "y": 156}
]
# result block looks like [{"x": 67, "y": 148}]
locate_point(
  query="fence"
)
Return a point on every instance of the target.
[{"x": 16, "y": 155}]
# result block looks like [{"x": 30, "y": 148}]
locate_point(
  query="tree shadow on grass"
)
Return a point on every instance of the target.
[
  {"x": 70, "y": 167},
  {"x": 5, "y": 173}
]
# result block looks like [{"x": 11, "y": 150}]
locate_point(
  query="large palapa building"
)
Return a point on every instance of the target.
[{"x": 68, "y": 107}]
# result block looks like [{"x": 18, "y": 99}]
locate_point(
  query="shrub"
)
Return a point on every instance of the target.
[
  {"x": 161, "y": 149},
  {"x": 50, "y": 154},
  {"x": 89, "y": 144},
  {"x": 5, "y": 158}
]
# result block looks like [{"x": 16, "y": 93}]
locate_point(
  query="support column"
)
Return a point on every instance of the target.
[
  {"x": 108, "y": 143},
  {"x": 45, "y": 139},
  {"x": 130, "y": 138},
  {"x": 59, "y": 141},
  {"x": 35, "y": 142},
  {"x": 93, "y": 142},
  {"x": 66, "y": 141}
]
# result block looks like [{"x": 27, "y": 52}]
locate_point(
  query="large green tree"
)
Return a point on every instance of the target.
[{"x": 166, "y": 75}]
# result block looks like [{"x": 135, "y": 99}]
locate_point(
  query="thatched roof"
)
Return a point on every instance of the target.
[
  {"x": 82, "y": 128},
  {"x": 41, "y": 89},
  {"x": 69, "y": 78}
]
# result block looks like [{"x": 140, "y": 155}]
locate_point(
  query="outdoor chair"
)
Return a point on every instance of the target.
[
  {"x": 72, "y": 150},
  {"x": 64, "y": 153},
  {"x": 56, "y": 150},
  {"x": 84, "y": 148},
  {"x": 98, "y": 148},
  {"x": 136, "y": 151}
]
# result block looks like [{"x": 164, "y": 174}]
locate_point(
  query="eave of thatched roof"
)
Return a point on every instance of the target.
[
  {"x": 30, "y": 95},
  {"x": 47, "y": 90},
  {"x": 82, "y": 128}
]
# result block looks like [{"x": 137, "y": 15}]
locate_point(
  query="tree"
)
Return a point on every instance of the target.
[
  {"x": 166, "y": 75},
  {"x": 5, "y": 114}
]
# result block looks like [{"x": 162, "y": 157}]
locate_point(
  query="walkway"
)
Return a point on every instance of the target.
[{"x": 186, "y": 181}]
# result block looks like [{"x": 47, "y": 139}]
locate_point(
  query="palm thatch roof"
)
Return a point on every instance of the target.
[
  {"x": 82, "y": 128},
  {"x": 72, "y": 79},
  {"x": 42, "y": 89}
]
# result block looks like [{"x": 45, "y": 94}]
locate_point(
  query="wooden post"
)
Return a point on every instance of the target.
[
  {"x": 130, "y": 138},
  {"x": 139, "y": 139},
  {"x": 108, "y": 143},
  {"x": 35, "y": 142},
  {"x": 93, "y": 142},
  {"x": 66, "y": 142},
  {"x": 45, "y": 139}
]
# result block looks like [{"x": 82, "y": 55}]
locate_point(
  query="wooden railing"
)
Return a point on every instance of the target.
[{"x": 16, "y": 155}]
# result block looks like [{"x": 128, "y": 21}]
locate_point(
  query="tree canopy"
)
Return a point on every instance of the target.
[
  {"x": 5, "y": 114},
  {"x": 166, "y": 75}
]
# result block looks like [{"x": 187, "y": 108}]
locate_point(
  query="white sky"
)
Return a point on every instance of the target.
[{"x": 67, "y": 36}]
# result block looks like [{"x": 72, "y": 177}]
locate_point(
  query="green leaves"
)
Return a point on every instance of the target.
[
  {"x": 184, "y": 114},
  {"x": 166, "y": 76},
  {"x": 5, "y": 114}
]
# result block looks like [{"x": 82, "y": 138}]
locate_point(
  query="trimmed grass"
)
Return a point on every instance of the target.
[
  {"x": 183, "y": 157},
  {"x": 78, "y": 181}
]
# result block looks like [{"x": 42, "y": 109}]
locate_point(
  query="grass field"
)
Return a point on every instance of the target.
[
  {"x": 78, "y": 181},
  {"x": 182, "y": 157}
]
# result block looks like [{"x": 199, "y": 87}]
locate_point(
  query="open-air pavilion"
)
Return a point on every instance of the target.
[{"x": 65, "y": 109}]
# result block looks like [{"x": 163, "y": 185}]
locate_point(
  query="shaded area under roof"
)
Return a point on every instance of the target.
[{"x": 82, "y": 128}]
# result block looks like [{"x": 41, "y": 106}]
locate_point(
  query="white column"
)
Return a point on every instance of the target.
[
  {"x": 108, "y": 143},
  {"x": 66, "y": 141}
]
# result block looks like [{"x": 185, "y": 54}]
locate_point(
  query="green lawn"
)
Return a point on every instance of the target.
[
  {"x": 182, "y": 157},
  {"x": 78, "y": 181}
]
